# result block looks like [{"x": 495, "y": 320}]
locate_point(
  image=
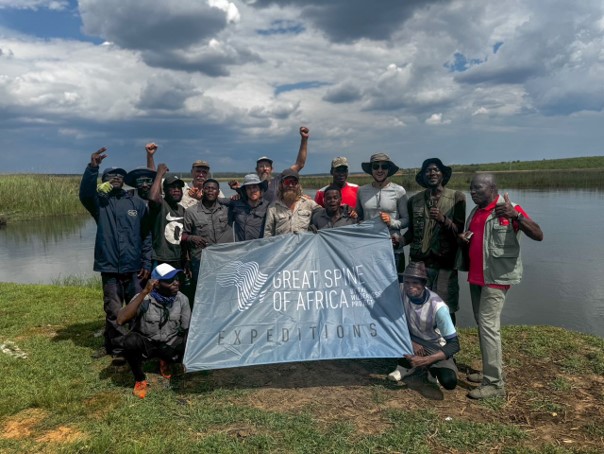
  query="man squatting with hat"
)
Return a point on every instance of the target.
[
  {"x": 491, "y": 243},
  {"x": 161, "y": 316},
  {"x": 339, "y": 171},
  {"x": 122, "y": 251},
  {"x": 264, "y": 168},
  {"x": 431, "y": 329},
  {"x": 436, "y": 217}
]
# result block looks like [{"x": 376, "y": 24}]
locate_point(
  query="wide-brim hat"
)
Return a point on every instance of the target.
[
  {"x": 252, "y": 178},
  {"x": 416, "y": 270},
  {"x": 140, "y": 172},
  {"x": 380, "y": 157},
  {"x": 447, "y": 171}
]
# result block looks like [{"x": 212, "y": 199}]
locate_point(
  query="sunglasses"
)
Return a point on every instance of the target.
[
  {"x": 377, "y": 166},
  {"x": 143, "y": 181},
  {"x": 111, "y": 176}
]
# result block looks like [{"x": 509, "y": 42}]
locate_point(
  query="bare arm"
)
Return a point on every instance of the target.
[
  {"x": 303, "y": 151},
  {"x": 155, "y": 192},
  {"x": 151, "y": 148}
]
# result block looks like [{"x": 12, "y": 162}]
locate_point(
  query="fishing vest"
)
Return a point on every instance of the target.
[{"x": 502, "y": 264}]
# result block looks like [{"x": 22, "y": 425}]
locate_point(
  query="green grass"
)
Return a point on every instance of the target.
[
  {"x": 60, "y": 387},
  {"x": 27, "y": 196}
]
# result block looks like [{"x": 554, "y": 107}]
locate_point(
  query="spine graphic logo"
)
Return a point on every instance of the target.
[{"x": 248, "y": 280}]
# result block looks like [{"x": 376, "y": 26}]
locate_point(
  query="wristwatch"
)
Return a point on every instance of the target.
[{"x": 520, "y": 217}]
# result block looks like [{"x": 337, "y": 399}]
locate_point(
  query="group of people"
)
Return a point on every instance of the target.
[{"x": 150, "y": 241}]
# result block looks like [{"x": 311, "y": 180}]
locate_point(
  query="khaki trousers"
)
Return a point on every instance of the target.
[{"x": 487, "y": 304}]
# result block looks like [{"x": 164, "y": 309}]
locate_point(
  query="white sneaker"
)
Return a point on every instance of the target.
[{"x": 399, "y": 373}]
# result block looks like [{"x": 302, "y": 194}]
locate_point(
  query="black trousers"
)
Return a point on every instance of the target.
[
  {"x": 137, "y": 348},
  {"x": 446, "y": 376},
  {"x": 118, "y": 290}
]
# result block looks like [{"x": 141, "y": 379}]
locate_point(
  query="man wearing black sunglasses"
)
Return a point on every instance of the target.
[
  {"x": 386, "y": 200},
  {"x": 121, "y": 254}
]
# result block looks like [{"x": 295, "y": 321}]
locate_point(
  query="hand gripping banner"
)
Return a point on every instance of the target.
[{"x": 298, "y": 297}]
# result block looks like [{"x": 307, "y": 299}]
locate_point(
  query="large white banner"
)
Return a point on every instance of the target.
[{"x": 298, "y": 297}]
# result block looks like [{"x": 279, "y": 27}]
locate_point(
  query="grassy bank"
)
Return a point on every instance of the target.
[
  {"x": 29, "y": 196},
  {"x": 59, "y": 399},
  {"x": 33, "y": 196}
]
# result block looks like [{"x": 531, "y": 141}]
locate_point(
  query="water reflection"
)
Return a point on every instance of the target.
[{"x": 43, "y": 250}]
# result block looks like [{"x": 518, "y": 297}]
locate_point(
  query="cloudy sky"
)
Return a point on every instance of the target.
[{"x": 229, "y": 81}]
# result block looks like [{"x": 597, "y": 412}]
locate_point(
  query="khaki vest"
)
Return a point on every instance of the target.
[{"x": 502, "y": 264}]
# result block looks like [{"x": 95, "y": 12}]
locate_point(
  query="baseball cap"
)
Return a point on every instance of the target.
[{"x": 164, "y": 271}]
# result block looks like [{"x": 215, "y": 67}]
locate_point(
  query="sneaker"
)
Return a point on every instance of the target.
[
  {"x": 164, "y": 369},
  {"x": 486, "y": 392},
  {"x": 399, "y": 373},
  {"x": 475, "y": 377},
  {"x": 140, "y": 389},
  {"x": 431, "y": 378}
]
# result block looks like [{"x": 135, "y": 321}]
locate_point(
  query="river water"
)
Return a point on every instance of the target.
[{"x": 563, "y": 283}]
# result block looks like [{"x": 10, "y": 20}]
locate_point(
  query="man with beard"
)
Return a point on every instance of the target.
[
  {"x": 120, "y": 253},
  {"x": 205, "y": 223},
  {"x": 493, "y": 249},
  {"x": 385, "y": 200},
  {"x": 436, "y": 217},
  {"x": 290, "y": 212},
  {"x": 161, "y": 316},
  {"x": 334, "y": 214},
  {"x": 264, "y": 168},
  {"x": 167, "y": 218},
  {"x": 339, "y": 171},
  {"x": 200, "y": 172}
]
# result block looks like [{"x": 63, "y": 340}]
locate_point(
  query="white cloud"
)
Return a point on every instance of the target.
[
  {"x": 436, "y": 119},
  {"x": 229, "y": 78}
]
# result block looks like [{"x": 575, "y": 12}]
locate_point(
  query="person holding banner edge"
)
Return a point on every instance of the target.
[{"x": 432, "y": 332}]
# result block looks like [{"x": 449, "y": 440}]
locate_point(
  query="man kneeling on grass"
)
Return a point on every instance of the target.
[
  {"x": 161, "y": 317},
  {"x": 432, "y": 331}
]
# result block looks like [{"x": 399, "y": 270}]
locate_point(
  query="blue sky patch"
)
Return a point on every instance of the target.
[
  {"x": 46, "y": 23},
  {"x": 461, "y": 63},
  {"x": 299, "y": 86},
  {"x": 282, "y": 27}
]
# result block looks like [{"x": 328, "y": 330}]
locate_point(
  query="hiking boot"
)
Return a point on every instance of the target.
[
  {"x": 486, "y": 392},
  {"x": 399, "y": 373},
  {"x": 140, "y": 389},
  {"x": 164, "y": 369},
  {"x": 475, "y": 377}
]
